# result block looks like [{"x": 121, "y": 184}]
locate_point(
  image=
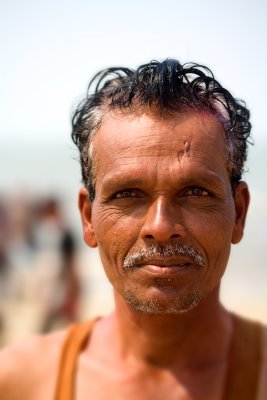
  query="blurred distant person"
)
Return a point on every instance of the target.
[
  {"x": 58, "y": 286},
  {"x": 40, "y": 285},
  {"x": 16, "y": 255},
  {"x": 20, "y": 242},
  {"x": 4, "y": 229},
  {"x": 162, "y": 151},
  {"x": 4, "y": 263}
]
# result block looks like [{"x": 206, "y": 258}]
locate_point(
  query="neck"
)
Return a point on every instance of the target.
[{"x": 191, "y": 339}]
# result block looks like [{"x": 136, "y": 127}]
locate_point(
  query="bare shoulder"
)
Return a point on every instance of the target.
[
  {"x": 264, "y": 349},
  {"x": 262, "y": 395},
  {"x": 265, "y": 339},
  {"x": 29, "y": 368}
]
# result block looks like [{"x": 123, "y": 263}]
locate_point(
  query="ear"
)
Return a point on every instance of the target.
[
  {"x": 241, "y": 207},
  {"x": 85, "y": 207}
]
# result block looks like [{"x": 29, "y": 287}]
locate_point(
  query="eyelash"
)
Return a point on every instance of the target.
[
  {"x": 201, "y": 192},
  {"x": 134, "y": 193},
  {"x": 130, "y": 192}
]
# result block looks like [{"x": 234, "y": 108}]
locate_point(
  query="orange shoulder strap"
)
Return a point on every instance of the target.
[
  {"x": 76, "y": 339},
  {"x": 243, "y": 371},
  {"x": 244, "y": 361}
]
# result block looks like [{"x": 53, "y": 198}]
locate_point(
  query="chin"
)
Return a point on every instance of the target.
[{"x": 160, "y": 304}]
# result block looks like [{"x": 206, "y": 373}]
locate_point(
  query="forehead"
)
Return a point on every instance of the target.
[{"x": 123, "y": 137}]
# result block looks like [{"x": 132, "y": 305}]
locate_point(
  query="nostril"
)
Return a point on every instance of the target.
[{"x": 152, "y": 237}]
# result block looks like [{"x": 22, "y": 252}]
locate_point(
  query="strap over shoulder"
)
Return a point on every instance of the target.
[
  {"x": 245, "y": 358},
  {"x": 76, "y": 339},
  {"x": 244, "y": 361}
]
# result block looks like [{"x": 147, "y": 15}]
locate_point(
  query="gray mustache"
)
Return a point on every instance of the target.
[{"x": 155, "y": 250}]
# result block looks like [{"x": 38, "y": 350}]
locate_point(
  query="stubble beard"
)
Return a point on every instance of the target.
[{"x": 181, "y": 303}]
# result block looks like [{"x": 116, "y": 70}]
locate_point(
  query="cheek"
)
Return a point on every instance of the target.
[
  {"x": 115, "y": 234},
  {"x": 213, "y": 230}
]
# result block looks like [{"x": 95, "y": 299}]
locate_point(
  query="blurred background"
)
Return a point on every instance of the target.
[{"x": 49, "y": 51}]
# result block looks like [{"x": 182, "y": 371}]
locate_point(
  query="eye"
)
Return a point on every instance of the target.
[
  {"x": 126, "y": 194},
  {"x": 197, "y": 192}
]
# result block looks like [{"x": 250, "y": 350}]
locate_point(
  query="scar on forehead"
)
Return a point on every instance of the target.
[{"x": 185, "y": 151}]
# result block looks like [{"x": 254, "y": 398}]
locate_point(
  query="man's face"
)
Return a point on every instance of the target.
[{"x": 164, "y": 215}]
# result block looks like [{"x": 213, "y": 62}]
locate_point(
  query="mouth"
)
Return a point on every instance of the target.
[{"x": 165, "y": 266}]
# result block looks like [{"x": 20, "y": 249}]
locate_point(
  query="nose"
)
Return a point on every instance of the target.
[{"x": 163, "y": 222}]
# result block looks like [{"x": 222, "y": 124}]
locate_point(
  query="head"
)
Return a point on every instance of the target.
[
  {"x": 166, "y": 88},
  {"x": 162, "y": 152}
]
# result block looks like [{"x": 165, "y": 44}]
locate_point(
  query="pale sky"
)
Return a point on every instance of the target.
[{"x": 50, "y": 49}]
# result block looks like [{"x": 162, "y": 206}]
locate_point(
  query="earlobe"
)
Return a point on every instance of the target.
[
  {"x": 85, "y": 207},
  {"x": 241, "y": 207}
]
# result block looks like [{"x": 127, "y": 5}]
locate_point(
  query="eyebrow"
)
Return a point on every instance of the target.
[
  {"x": 122, "y": 180},
  {"x": 113, "y": 182}
]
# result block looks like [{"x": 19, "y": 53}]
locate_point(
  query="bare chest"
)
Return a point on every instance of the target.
[{"x": 128, "y": 385}]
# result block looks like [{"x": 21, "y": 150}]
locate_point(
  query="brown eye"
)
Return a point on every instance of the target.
[
  {"x": 197, "y": 191},
  {"x": 124, "y": 194}
]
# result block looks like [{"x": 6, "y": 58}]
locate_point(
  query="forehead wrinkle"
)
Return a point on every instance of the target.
[
  {"x": 183, "y": 145},
  {"x": 174, "y": 162},
  {"x": 129, "y": 130},
  {"x": 140, "y": 145},
  {"x": 156, "y": 144},
  {"x": 129, "y": 169}
]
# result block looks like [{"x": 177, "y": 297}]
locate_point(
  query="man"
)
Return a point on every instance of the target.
[{"x": 162, "y": 153}]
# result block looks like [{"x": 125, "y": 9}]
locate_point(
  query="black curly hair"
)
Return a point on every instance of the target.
[{"x": 169, "y": 88}]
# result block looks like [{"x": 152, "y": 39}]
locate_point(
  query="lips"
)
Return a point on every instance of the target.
[
  {"x": 165, "y": 266},
  {"x": 165, "y": 270},
  {"x": 165, "y": 261}
]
